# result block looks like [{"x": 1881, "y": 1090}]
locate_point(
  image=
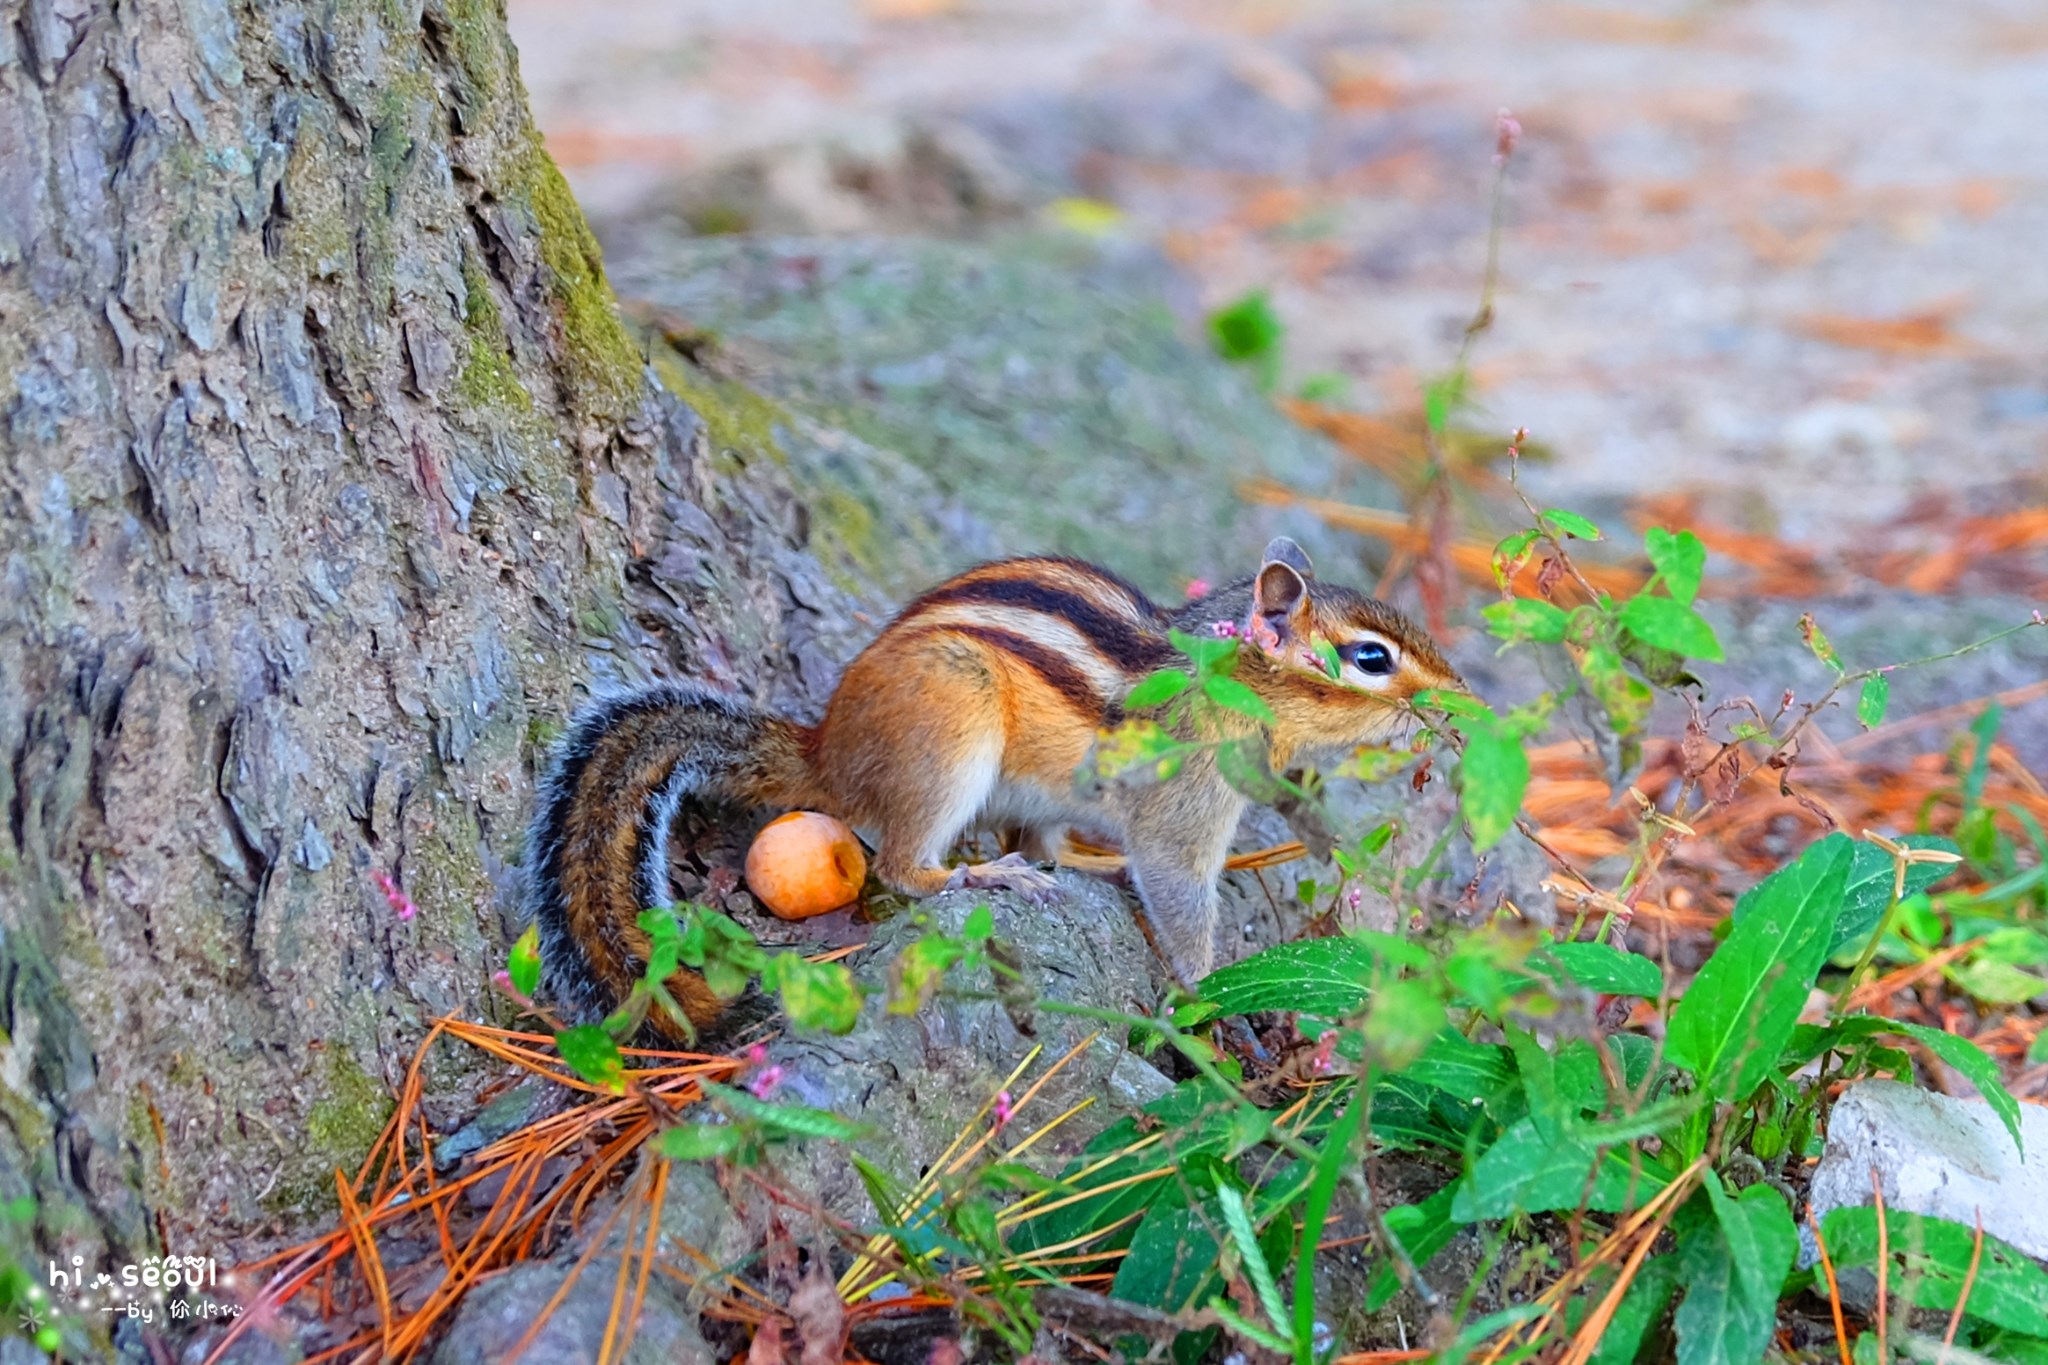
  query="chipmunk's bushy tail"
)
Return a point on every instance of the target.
[{"x": 598, "y": 849}]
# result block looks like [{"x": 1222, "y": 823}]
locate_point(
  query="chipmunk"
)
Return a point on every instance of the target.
[{"x": 975, "y": 706}]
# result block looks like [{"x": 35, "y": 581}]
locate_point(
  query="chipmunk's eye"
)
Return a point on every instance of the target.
[{"x": 1370, "y": 657}]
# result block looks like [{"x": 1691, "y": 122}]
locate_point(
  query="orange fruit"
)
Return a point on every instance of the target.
[{"x": 803, "y": 864}]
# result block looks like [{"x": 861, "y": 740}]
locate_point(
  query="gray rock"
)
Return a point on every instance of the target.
[
  {"x": 1938, "y": 1156},
  {"x": 1038, "y": 383},
  {"x": 497, "y": 1314}
]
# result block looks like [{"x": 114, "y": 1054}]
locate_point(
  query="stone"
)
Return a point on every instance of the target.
[
  {"x": 497, "y": 1314},
  {"x": 1938, "y": 1156}
]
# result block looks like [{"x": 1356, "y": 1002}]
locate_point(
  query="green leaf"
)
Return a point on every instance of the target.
[
  {"x": 1997, "y": 983},
  {"x": 1491, "y": 779},
  {"x": 1232, "y": 695},
  {"x": 1624, "y": 697},
  {"x": 701, "y": 1141},
  {"x": 1741, "y": 1009},
  {"x": 815, "y": 995},
  {"x": 523, "y": 966},
  {"x": 1599, "y": 967},
  {"x": 1162, "y": 686},
  {"x": 1935, "y": 1255},
  {"x": 1571, "y": 523},
  {"x": 1330, "y": 1166},
  {"x": 1324, "y": 977},
  {"x": 1679, "y": 559},
  {"x": 1817, "y": 641},
  {"x": 918, "y": 971},
  {"x": 1642, "y": 1304},
  {"x": 1172, "y": 1259},
  {"x": 1525, "y": 1173},
  {"x": 792, "y": 1120},
  {"x": 1877, "y": 694},
  {"x": 1403, "y": 1018},
  {"x": 1511, "y": 554},
  {"x": 591, "y": 1054},
  {"x": 1734, "y": 1255},
  {"x": 1670, "y": 624},
  {"x": 1977, "y": 1067},
  {"x": 1248, "y": 329},
  {"x": 1525, "y": 618},
  {"x": 1472, "y": 1073},
  {"x": 1440, "y": 398},
  {"x": 1869, "y": 888},
  {"x": 1423, "y": 1230},
  {"x": 980, "y": 925}
]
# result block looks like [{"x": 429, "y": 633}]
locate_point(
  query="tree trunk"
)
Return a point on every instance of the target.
[{"x": 326, "y": 457}]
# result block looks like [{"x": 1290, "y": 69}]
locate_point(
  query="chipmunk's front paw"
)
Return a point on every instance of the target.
[{"x": 1007, "y": 873}]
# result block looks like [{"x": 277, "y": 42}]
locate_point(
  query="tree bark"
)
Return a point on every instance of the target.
[{"x": 326, "y": 458}]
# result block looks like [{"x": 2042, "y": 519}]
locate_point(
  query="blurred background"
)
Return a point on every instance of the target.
[{"x": 1783, "y": 257}]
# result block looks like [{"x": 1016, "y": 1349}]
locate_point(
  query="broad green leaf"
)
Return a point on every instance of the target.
[
  {"x": 1524, "y": 1173},
  {"x": 1422, "y": 1230},
  {"x": 1734, "y": 1254},
  {"x": 1670, "y": 624},
  {"x": 1571, "y": 523},
  {"x": 1877, "y": 694},
  {"x": 980, "y": 925},
  {"x": 1977, "y": 1067},
  {"x": 1741, "y": 1009},
  {"x": 701, "y": 1141},
  {"x": 1600, "y": 967},
  {"x": 1998, "y": 983},
  {"x": 1681, "y": 559},
  {"x": 1491, "y": 779},
  {"x": 1525, "y": 618},
  {"x": 1934, "y": 1254},
  {"x": 1172, "y": 1259},
  {"x": 1324, "y": 977},
  {"x": 1869, "y": 888},
  {"x": 591, "y": 1054},
  {"x": 1642, "y": 1304},
  {"x": 1810, "y": 1040},
  {"x": 1162, "y": 686},
  {"x": 793, "y": 1120},
  {"x": 1232, "y": 695},
  {"x": 1208, "y": 653},
  {"x": 1473, "y": 1073},
  {"x": 523, "y": 966}
]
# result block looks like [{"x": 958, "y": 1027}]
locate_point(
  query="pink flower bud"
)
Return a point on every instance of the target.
[
  {"x": 1197, "y": 587},
  {"x": 1223, "y": 630},
  {"x": 1004, "y": 1112},
  {"x": 1507, "y": 131},
  {"x": 400, "y": 903}
]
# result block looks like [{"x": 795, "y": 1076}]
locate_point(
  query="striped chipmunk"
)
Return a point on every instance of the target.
[{"x": 975, "y": 707}]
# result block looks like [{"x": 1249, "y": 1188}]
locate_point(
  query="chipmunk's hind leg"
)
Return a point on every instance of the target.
[{"x": 920, "y": 775}]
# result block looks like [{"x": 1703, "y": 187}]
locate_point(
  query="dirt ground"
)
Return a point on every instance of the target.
[{"x": 1784, "y": 255}]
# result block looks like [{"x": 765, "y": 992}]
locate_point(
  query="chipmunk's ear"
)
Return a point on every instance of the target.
[
  {"x": 1281, "y": 550},
  {"x": 1280, "y": 598}
]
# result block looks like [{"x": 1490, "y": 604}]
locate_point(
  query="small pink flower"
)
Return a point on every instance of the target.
[
  {"x": 502, "y": 979},
  {"x": 1354, "y": 896},
  {"x": 400, "y": 903},
  {"x": 1197, "y": 587},
  {"x": 1223, "y": 630},
  {"x": 1004, "y": 1111},
  {"x": 1507, "y": 131},
  {"x": 764, "y": 1082},
  {"x": 2039, "y": 619},
  {"x": 1324, "y": 1057}
]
